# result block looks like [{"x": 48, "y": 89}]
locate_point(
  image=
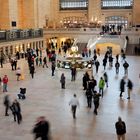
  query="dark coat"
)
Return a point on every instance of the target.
[
  {"x": 130, "y": 85},
  {"x": 41, "y": 129},
  {"x": 122, "y": 85},
  {"x": 32, "y": 69},
  {"x": 62, "y": 80},
  {"x": 120, "y": 128}
]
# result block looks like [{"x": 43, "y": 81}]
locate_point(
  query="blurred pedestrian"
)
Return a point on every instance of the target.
[
  {"x": 6, "y": 103},
  {"x": 63, "y": 81},
  {"x": 130, "y": 87},
  {"x": 41, "y": 129},
  {"x": 120, "y": 129},
  {"x": 74, "y": 103}
]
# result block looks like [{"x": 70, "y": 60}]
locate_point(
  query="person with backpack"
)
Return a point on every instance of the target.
[
  {"x": 130, "y": 87},
  {"x": 120, "y": 129},
  {"x": 125, "y": 65}
]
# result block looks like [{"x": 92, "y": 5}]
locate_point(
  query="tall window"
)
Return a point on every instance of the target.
[
  {"x": 73, "y": 4},
  {"x": 117, "y": 4}
]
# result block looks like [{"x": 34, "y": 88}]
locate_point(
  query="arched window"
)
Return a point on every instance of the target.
[
  {"x": 117, "y": 4},
  {"x": 73, "y": 4}
]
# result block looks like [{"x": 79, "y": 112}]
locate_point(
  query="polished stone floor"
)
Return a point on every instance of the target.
[{"x": 45, "y": 97}]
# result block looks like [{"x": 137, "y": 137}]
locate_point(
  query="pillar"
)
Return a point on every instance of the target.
[
  {"x": 94, "y": 10},
  {"x": 136, "y": 12}
]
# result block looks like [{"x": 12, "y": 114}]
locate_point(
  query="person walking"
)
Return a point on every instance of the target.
[
  {"x": 85, "y": 80},
  {"x": 5, "y": 82},
  {"x": 73, "y": 73},
  {"x": 45, "y": 62},
  {"x": 1, "y": 61},
  {"x": 53, "y": 67},
  {"x": 117, "y": 65},
  {"x": 104, "y": 63},
  {"x": 40, "y": 61},
  {"x": 106, "y": 79},
  {"x": 89, "y": 98},
  {"x": 15, "y": 64},
  {"x": 63, "y": 81},
  {"x": 18, "y": 73},
  {"x": 110, "y": 60},
  {"x": 32, "y": 71},
  {"x": 97, "y": 64},
  {"x": 101, "y": 86},
  {"x": 122, "y": 86},
  {"x": 36, "y": 60},
  {"x": 74, "y": 103},
  {"x": 120, "y": 129},
  {"x": 6, "y": 103},
  {"x": 41, "y": 129},
  {"x": 130, "y": 87},
  {"x": 16, "y": 110},
  {"x": 125, "y": 65},
  {"x": 96, "y": 99}
]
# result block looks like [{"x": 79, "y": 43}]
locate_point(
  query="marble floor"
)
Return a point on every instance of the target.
[{"x": 45, "y": 97}]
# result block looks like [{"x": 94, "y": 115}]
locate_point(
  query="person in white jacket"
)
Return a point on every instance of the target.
[{"x": 74, "y": 103}]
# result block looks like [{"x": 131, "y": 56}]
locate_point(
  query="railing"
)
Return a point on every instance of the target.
[{"x": 18, "y": 34}]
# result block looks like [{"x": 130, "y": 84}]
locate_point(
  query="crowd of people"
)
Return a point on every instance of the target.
[{"x": 94, "y": 89}]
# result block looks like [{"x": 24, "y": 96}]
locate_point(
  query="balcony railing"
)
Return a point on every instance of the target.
[{"x": 18, "y": 34}]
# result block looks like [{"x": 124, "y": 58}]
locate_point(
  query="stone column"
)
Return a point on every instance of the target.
[
  {"x": 4, "y": 14},
  {"x": 94, "y": 11},
  {"x": 136, "y": 12}
]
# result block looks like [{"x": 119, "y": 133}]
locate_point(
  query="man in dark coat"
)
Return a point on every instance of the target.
[
  {"x": 45, "y": 62},
  {"x": 41, "y": 129},
  {"x": 85, "y": 80},
  {"x": 125, "y": 65},
  {"x": 97, "y": 64},
  {"x": 104, "y": 63},
  {"x": 6, "y": 104},
  {"x": 16, "y": 110},
  {"x": 73, "y": 73},
  {"x": 89, "y": 97},
  {"x": 130, "y": 87},
  {"x": 32, "y": 70},
  {"x": 122, "y": 87},
  {"x": 120, "y": 129},
  {"x": 96, "y": 98},
  {"x": 53, "y": 67},
  {"x": 117, "y": 65},
  {"x": 63, "y": 81}
]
